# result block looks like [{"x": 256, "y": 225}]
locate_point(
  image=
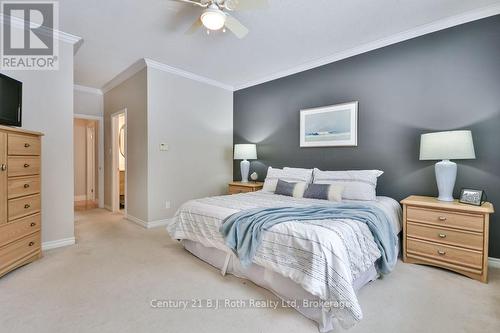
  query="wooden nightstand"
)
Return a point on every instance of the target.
[
  {"x": 450, "y": 235},
  {"x": 239, "y": 187}
]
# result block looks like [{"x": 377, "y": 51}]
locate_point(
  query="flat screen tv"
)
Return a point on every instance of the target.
[{"x": 11, "y": 95}]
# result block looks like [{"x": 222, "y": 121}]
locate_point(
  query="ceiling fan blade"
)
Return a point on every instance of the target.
[
  {"x": 247, "y": 4},
  {"x": 194, "y": 27},
  {"x": 236, "y": 27},
  {"x": 191, "y": 2}
]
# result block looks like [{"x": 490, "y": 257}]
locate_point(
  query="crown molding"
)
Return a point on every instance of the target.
[
  {"x": 145, "y": 62},
  {"x": 133, "y": 69},
  {"x": 442, "y": 24},
  {"x": 58, "y": 34},
  {"x": 169, "y": 69},
  {"x": 86, "y": 89}
]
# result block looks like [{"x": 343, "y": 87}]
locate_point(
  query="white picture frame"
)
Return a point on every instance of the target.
[{"x": 330, "y": 126}]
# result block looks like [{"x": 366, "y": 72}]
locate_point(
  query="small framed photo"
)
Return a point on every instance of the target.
[
  {"x": 472, "y": 197},
  {"x": 330, "y": 126}
]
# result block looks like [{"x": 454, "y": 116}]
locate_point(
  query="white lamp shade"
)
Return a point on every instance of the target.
[
  {"x": 452, "y": 145},
  {"x": 245, "y": 152}
]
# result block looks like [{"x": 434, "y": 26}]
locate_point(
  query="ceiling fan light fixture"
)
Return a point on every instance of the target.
[{"x": 213, "y": 19}]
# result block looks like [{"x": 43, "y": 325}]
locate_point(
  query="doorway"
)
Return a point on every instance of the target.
[
  {"x": 119, "y": 161},
  {"x": 86, "y": 163}
]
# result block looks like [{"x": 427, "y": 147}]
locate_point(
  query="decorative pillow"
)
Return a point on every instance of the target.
[
  {"x": 324, "y": 192},
  {"x": 288, "y": 175},
  {"x": 295, "y": 190},
  {"x": 358, "y": 185}
]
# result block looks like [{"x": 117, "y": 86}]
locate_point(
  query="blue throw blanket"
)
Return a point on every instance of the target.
[{"x": 242, "y": 231}]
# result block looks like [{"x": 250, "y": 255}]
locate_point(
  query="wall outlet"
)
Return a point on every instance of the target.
[
  {"x": 167, "y": 204},
  {"x": 163, "y": 147}
]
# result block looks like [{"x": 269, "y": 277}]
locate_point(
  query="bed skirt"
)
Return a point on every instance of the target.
[{"x": 281, "y": 286}]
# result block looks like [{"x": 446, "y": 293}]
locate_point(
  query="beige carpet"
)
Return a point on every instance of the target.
[{"x": 106, "y": 282}]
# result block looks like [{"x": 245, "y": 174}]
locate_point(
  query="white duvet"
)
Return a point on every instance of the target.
[{"x": 324, "y": 256}]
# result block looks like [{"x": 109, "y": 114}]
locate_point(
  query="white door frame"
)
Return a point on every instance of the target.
[
  {"x": 100, "y": 148},
  {"x": 90, "y": 152},
  {"x": 115, "y": 174}
]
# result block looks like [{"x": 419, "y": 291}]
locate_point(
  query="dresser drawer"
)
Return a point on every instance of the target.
[
  {"x": 18, "y": 250},
  {"x": 446, "y": 219},
  {"x": 445, "y": 253},
  {"x": 23, "y": 166},
  {"x": 18, "y": 229},
  {"x": 18, "y": 187},
  {"x": 446, "y": 236},
  {"x": 19, "y": 144},
  {"x": 24, "y": 206}
]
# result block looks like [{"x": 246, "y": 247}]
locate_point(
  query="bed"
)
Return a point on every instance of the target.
[{"x": 317, "y": 266}]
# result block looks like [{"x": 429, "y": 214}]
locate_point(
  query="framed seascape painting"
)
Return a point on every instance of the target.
[{"x": 330, "y": 126}]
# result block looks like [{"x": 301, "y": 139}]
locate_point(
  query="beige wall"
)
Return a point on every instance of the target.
[
  {"x": 48, "y": 108},
  {"x": 87, "y": 103},
  {"x": 196, "y": 121},
  {"x": 130, "y": 95},
  {"x": 80, "y": 157}
]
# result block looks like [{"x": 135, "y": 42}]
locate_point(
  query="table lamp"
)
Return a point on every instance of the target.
[
  {"x": 245, "y": 152},
  {"x": 446, "y": 146}
]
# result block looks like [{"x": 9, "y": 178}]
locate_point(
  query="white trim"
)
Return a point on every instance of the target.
[
  {"x": 133, "y": 69},
  {"x": 58, "y": 34},
  {"x": 442, "y": 24},
  {"x": 147, "y": 225},
  {"x": 145, "y": 62},
  {"x": 107, "y": 207},
  {"x": 494, "y": 262},
  {"x": 86, "y": 89},
  {"x": 58, "y": 243},
  {"x": 115, "y": 179},
  {"x": 82, "y": 197},
  {"x": 186, "y": 74}
]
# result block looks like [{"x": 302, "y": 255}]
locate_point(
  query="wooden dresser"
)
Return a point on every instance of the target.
[
  {"x": 450, "y": 235},
  {"x": 20, "y": 198},
  {"x": 240, "y": 187}
]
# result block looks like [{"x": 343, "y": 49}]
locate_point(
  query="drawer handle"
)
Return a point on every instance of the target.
[
  {"x": 26, "y": 165},
  {"x": 33, "y": 224},
  {"x": 441, "y": 253},
  {"x": 26, "y": 185},
  {"x": 27, "y": 206},
  {"x": 3, "y": 167},
  {"x": 26, "y": 145},
  {"x": 442, "y": 235},
  {"x": 442, "y": 218},
  {"x": 31, "y": 244}
]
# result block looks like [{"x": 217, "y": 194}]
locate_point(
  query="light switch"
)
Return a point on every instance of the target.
[{"x": 163, "y": 147}]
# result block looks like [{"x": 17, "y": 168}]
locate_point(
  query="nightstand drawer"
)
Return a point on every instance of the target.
[
  {"x": 446, "y": 236},
  {"x": 445, "y": 253},
  {"x": 239, "y": 189},
  {"x": 443, "y": 218}
]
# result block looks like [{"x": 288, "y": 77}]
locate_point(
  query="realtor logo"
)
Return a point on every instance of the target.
[{"x": 27, "y": 38}]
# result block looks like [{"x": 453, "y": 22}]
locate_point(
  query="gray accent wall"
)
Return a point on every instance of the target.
[{"x": 442, "y": 81}]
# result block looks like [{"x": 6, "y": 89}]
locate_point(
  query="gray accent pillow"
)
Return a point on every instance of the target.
[
  {"x": 324, "y": 192},
  {"x": 290, "y": 189}
]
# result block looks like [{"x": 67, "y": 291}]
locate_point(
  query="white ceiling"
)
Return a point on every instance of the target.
[{"x": 288, "y": 36}]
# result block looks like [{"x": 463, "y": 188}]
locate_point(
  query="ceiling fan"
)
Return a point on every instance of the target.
[{"x": 215, "y": 15}]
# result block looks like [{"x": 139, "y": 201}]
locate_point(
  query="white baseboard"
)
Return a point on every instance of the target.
[
  {"x": 80, "y": 197},
  {"x": 108, "y": 207},
  {"x": 147, "y": 225},
  {"x": 494, "y": 262},
  {"x": 58, "y": 243}
]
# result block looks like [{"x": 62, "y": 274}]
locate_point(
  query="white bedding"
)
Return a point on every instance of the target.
[{"x": 324, "y": 257}]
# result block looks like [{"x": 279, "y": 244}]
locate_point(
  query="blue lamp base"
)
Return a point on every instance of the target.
[{"x": 446, "y": 175}]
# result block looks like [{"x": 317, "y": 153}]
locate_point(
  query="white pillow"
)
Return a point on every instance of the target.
[
  {"x": 358, "y": 184},
  {"x": 292, "y": 175}
]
